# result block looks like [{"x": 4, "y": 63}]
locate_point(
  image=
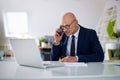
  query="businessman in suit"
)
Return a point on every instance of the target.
[{"x": 76, "y": 43}]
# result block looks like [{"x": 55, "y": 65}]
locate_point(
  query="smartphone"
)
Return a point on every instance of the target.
[{"x": 60, "y": 31}]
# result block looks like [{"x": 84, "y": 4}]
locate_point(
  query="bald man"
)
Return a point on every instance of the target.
[{"x": 76, "y": 43}]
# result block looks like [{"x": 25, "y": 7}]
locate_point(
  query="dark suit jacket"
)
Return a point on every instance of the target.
[{"x": 88, "y": 47}]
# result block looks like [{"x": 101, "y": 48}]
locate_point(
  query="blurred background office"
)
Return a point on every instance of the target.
[{"x": 39, "y": 18}]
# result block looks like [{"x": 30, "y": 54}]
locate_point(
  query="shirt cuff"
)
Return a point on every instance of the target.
[
  {"x": 56, "y": 44},
  {"x": 77, "y": 58}
]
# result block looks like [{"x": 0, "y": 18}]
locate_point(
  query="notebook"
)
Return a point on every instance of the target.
[{"x": 27, "y": 53}]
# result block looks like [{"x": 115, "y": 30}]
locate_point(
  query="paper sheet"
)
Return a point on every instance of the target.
[{"x": 75, "y": 64}]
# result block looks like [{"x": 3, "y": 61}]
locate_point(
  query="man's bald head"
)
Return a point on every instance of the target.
[
  {"x": 68, "y": 18},
  {"x": 69, "y": 23}
]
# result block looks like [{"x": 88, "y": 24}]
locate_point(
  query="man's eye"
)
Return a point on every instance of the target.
[{"x": 67, "y": 25}]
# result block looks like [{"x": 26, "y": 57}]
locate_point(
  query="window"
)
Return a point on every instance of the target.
[{"x": 15, "y": 24}]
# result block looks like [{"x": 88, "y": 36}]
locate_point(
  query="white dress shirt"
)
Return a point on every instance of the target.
[{"x": 69, "y": 42}]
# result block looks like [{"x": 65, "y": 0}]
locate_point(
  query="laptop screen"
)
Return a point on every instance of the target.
[{"x": 26, "y": 51}]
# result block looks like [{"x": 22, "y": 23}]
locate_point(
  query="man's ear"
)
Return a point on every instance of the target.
[{"x": 76, "y": 21}]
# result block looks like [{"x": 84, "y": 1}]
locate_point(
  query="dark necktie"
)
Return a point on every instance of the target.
[{"x": 72, "y": 49}]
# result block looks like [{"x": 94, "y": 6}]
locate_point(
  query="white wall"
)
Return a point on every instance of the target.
[{"x": 45, "y": 15}]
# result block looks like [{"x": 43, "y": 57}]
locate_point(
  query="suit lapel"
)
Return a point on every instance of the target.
[
  {"x": 80, "y": 39},
  {"x": 65, "y": 46}
]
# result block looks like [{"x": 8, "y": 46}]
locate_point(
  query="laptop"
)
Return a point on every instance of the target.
[{"x": 27, "y": 53}]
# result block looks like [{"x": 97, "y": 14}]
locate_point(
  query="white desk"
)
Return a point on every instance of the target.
[{"x": 10, "y": 70}]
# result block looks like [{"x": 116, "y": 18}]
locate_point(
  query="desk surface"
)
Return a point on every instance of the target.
[{"x": 10, "y": 70}]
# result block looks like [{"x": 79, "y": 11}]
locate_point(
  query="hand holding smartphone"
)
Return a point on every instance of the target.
[
  {"x": 60, "y": 31},
  {"x": 58, "y": 35}
]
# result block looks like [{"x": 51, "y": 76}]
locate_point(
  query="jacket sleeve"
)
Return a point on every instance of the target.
[{"x": 55, "y": 52}]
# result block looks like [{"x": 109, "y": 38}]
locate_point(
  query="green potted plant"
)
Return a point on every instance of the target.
[
  {"x": 42, "y": 41},
  {"x": 114, "y": 34},
  {"x": 117, "y": 51}
]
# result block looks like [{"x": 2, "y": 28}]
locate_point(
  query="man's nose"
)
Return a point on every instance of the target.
[{"x": 65, "y": 30}]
